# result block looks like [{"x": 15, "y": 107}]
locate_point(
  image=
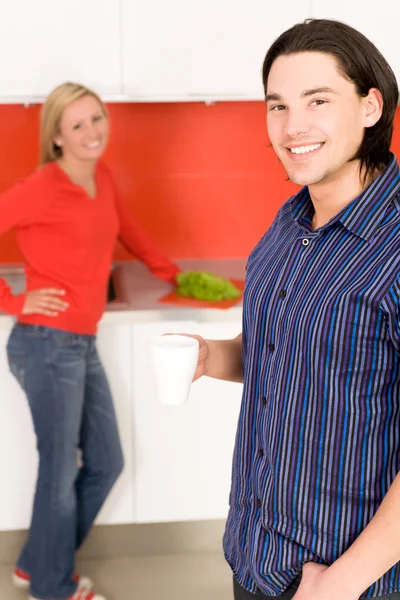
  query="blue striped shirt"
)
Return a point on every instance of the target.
[{"x": 318, "y": 440}]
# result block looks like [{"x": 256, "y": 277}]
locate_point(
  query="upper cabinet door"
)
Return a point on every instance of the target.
[
  {"x": 201, "y": 48},
  {"x": 379, "y": 23},
  {"x": 46, "y": 42}
]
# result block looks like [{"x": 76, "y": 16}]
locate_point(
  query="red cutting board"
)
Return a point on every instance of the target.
[{"x": 176, "y": 299}]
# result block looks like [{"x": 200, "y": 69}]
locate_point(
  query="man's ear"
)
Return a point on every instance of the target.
[{"x": 373, "y": 106}]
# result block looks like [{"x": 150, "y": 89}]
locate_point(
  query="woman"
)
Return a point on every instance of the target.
[{"x": 67, "y": 216}]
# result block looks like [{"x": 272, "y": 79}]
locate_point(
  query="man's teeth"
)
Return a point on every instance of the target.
[
  {"x": 304, "y": 149},
  {"x": 93, "y": 145}
]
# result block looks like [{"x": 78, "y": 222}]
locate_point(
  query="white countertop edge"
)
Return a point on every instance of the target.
[
  {"x": 202, "y": 315},
  {"x": 130, "y": 317}
]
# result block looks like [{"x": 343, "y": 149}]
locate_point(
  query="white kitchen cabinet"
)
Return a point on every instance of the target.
[
  {"x": 182, "y": 453},
  {"x": 114, "y": 346},
  {"x": 18, "y": 456},
  {"x": 380, "y": 26},
  {"x": 136, "y": 50},
  {"x": 217, "y": 404},
  {"x": 177, "y": 459},
  {"x": 45, "y": 43},
  {"x": 201, "y": 49}
]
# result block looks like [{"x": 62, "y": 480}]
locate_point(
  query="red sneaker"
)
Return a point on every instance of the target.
[{"x": 22, "y": 580}]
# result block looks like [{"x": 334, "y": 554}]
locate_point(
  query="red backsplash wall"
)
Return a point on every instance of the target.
[{"x": 200, "y": 179}]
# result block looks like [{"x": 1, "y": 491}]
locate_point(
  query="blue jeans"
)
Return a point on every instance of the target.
[{"x": 71, "y": 405}]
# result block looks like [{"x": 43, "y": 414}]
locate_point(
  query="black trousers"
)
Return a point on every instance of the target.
[{"x": 241, "y": 593}]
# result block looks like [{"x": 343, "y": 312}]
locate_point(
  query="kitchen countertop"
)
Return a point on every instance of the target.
[{"x": 138, "y": 292}]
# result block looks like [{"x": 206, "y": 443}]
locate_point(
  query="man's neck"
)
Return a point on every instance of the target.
[{"x": 331, "y": 195}]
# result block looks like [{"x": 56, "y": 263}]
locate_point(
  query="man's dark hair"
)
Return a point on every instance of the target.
[{"x": 361, "y": 63}]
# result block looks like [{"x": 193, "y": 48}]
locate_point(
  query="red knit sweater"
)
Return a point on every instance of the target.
[{"x": 67, "y": 239}]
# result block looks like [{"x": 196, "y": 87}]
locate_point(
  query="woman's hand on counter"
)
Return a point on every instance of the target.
[{"x": 46, "y": 301}]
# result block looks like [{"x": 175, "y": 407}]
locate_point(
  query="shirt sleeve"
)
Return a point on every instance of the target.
[
  {"x": 137, "y": 241},
  {"x": 391, "y": 306},
  {"x": 20, "y": 206}
]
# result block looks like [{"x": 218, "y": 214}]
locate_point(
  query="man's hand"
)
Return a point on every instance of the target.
[
  {"x": 317, "y": 583},
  {"x": 204, "y": 352}
]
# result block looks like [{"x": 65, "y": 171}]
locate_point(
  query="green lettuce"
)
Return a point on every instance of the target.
[{"x": 205, "y": 286}]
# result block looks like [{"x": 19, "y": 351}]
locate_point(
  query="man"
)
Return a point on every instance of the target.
[{"x": 315, "y": 499}]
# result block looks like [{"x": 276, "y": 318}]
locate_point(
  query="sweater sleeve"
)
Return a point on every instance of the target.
[
  {"x": 137, "y": 241},
  {"x": 20, "y": 206}
]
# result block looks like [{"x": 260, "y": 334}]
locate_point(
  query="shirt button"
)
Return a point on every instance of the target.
[
  {"x": 282, "y": 294},
  {"x": 258, "y": 502},
  {"x": 261, "y": 452},
  {"x": 264, "y": 400},
  {"x": 271, "y": 347},
  {"x": 305, "y": 242}
]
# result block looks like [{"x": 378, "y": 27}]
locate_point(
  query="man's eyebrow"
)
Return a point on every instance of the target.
[
  {"x": 311, "y": 92},
  {"x": 319, "y": 90},
  {"x": 273, "y": 97}
]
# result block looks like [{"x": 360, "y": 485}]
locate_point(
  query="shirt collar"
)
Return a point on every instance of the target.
[{"x": 364, "y": 214}]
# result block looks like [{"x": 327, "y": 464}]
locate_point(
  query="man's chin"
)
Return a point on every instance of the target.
[
  {"x": 303, "y": 179},
  {"x": 300, "y": 180}
]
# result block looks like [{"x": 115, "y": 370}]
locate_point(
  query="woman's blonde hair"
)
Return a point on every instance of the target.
[{"x": 51, "y": 114}]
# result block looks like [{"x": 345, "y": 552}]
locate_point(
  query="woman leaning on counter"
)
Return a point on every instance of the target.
[{"x": 67, "y": 216}]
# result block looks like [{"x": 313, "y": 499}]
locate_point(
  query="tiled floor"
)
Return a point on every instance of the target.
[{"x": 172, "y": 577}]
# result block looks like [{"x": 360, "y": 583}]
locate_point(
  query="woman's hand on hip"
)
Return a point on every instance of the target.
[{"x": 46, "y": 301}]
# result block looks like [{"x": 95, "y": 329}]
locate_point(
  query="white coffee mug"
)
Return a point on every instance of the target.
[{"x": 173, "y": 361}]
